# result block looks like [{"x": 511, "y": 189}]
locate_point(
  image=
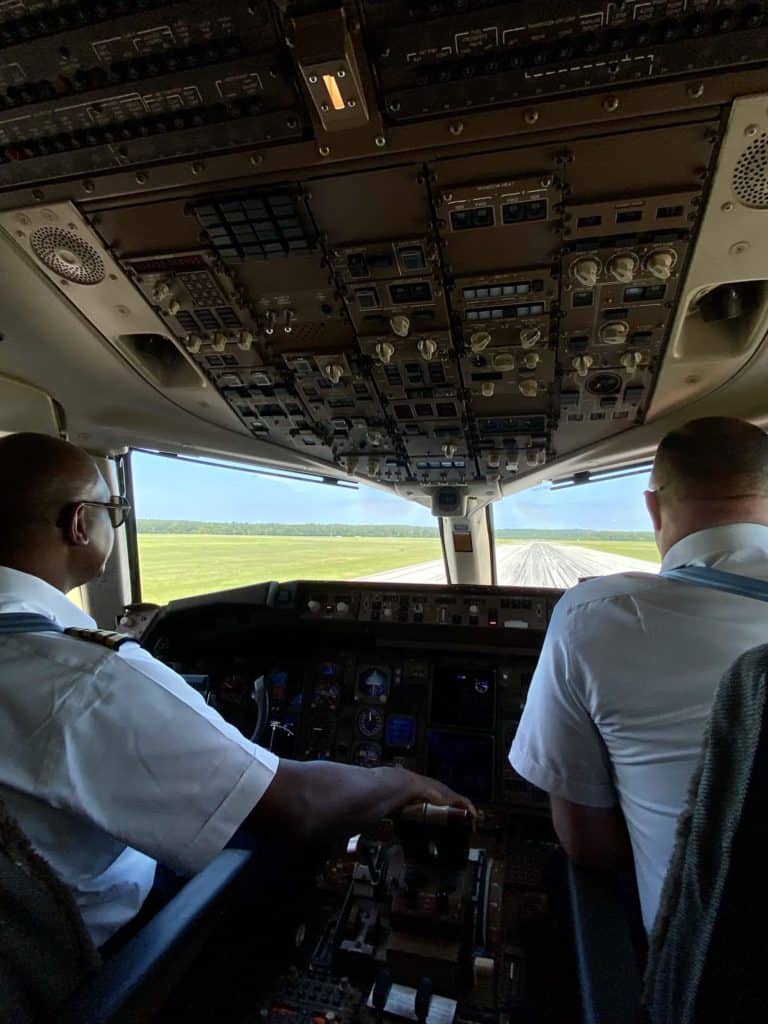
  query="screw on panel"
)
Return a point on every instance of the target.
[
  {"x": 88, "y": 186},
  {"x": 324, "y": 108},
  {"x": 291, "y": 123},
  {"x": 324, "y": 150},
  {"x": 198, "y": 168},
  {"x": 380, "y": 141},
  {"x": 531, "y": 116},
  {"x": 611, "y": 103},
  {"x": 341, "y": 73},
  {"x": 751, "y": 129},
  {"x": 38, "y": 194},
  {"x": 351, "y": 103},
  {"x": 141, "y": 178},
  {"x": 312, "y": 79},
  {"x": 696, "y": 90},
  {"x": 456, "y": 127},
  {"x": 256, "y": 159},
  {"x": 738, "y": 248},
  {"x": 726, "y": 207}
]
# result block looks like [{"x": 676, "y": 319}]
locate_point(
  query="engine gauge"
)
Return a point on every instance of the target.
[
  {"x": 370, "y": 722},
  {"x": 367, "y": 755}
]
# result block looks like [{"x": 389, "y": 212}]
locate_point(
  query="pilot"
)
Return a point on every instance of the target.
[
  {"x": 613, "y": 724},
  {"x": 109, "y": 761}
]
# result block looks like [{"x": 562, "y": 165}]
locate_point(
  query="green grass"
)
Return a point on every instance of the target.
[
  {"x": 180, "y": 565},
  {"x": 645, "y": 550}
]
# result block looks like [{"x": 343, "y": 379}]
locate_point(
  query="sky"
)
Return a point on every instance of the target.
[{"x": 169, "y": 489}]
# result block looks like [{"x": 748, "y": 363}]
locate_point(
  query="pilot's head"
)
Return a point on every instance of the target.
[
  {"x": 57, "y": 518},
  {"x": 710, "y": 472}
]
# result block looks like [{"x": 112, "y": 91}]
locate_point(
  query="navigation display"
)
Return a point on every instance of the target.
[
  {"x": 465, "y": 763},
  {"x": 464, "y": 697}
]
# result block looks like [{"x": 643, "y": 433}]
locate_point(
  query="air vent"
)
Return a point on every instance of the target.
[
  {"x": 67, "y": 255},
  {"x": 750, "y": 176}
]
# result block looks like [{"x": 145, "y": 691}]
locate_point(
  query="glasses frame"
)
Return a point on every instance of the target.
[{"x": 117, "y": 507}]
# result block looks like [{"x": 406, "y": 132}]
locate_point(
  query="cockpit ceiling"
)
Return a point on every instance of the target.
[{"x": 418, "y": 244}]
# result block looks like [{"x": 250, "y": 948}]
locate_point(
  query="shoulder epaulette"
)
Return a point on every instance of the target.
[{"x": 105, "y": 637}]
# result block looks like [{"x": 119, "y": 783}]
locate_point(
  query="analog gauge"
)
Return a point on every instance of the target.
[
  {"x": 373, "y": 684},
  {"x": 370, "y": 722},
  {"x": 326, "y": 695},
  {"x": 367, "y": 755}
]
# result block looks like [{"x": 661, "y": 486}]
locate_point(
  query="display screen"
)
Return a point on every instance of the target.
[
  {"x": 401, "y": 732},
  {"x": 465, "y": 763},
  {"x": 463, "y": 697}
]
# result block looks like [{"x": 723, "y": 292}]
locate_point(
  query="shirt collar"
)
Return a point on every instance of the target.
[
  {"x": 19, "y": 591},
  {"x": 706, "y": 546}
]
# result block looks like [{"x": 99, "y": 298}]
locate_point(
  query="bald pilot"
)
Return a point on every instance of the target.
[
  {"x": 109, "y": 761},
  {"x": 613, "y": 724}
]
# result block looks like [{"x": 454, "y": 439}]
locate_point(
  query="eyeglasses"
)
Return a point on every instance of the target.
[{"x": 118, "y": 508}]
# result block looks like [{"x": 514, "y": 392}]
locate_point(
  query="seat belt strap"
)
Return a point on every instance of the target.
[{"x": 716, "y": 579}]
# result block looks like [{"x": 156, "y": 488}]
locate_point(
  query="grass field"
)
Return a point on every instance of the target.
[
  {"x": 643, "y": 549},
  {"x": 180, "y": 565}
]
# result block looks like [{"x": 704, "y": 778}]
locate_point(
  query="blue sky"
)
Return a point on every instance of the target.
[{"x": 167, "y": 489}]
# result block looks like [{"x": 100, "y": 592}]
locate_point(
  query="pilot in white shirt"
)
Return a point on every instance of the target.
[
  {"x": 109, "y": 761},
  {"x": 617, "y": 706}
]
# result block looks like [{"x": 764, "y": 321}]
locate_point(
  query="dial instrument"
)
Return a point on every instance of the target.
[{"x": 370, "y": 722}]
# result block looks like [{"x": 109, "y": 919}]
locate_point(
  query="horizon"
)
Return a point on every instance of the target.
[{"x": 169, "y": 489}]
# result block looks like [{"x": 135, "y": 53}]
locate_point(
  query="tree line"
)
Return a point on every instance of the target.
[{"x": 186, "y": 526}]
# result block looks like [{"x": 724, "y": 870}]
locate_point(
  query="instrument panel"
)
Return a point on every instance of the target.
[{"x": 433, "y": 679}]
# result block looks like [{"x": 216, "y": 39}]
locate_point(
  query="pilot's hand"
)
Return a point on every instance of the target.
[{"x": 430, "y": 791}]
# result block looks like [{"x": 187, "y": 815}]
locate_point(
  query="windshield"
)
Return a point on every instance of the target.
[
  {"x": 549, "y": 537},
  {"x": 203, "y": 528}
]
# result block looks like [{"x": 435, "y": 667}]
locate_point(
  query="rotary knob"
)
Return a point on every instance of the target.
[
  {"x": 631, "y": 361},
  {"x": 219, "y": 341},
  {"x": 660, "y": 263},
  {"x": 623, "y": 267},
  {"x": 342, "y": 607},
  {"x": 314, "y": 606},
  {"x": 449, "y": 450},
  {"x": 530, "y": 336},
  {"x": 529, "y": 388},
  {"x": 400, "y": 325},
  {"x": 427, "y": 348},
  {"x": 586, "y": 271},
  {"x": 194, "y": 343},
  {"x": 161, "y": 291},
  {"x": 504, "y": 361},
  {"x": 479, "y": 341},
  {"x": 615, "y": 332},
  {"x": 487, "y": 389},
  {"x": 174, "y": 306},
  {"x": 245, "y": 340},
  {"x": 531, "y": 360},
  {"x": 385, "y": 350},
  {"x": 333, "y": 372},
  {"x": 581, "y": 365}
]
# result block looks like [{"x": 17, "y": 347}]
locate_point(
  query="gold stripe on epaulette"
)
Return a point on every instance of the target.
[{"x": 105, "y": 637}]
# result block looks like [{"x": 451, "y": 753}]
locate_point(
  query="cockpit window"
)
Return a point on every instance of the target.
[
  {"x": 203, "y": 528},
  {"x": 553, "y": 537}
]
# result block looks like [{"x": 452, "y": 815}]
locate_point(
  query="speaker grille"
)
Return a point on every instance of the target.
[
  {"x": 67, "y": 255},
  {"x": 750, "y": 176}
]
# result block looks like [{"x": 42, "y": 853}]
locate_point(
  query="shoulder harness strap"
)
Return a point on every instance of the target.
[{"x": 104, "y": 637}]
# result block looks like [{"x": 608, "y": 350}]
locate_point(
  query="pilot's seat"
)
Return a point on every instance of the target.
[
  {"x": 709, "y": 948},
  {"x": 50, "y": 970}
]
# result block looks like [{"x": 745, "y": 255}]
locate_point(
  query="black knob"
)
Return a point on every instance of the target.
[
  {"x": 381, "y": 989},
  {"x": 423, "y": 999}
]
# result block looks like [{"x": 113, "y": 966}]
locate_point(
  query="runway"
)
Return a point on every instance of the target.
[{"x": 533, "y": 564}]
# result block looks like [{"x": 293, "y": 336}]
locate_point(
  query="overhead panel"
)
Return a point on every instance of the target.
[{"x": 353, "y": 226}]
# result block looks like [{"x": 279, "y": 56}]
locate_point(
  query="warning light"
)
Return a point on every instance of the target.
[{"x": 334, "y": 95}]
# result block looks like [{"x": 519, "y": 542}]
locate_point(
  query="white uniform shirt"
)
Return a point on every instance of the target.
[
  {"x": 110, "y": 762},
  {"x": 620, "y": 697}
]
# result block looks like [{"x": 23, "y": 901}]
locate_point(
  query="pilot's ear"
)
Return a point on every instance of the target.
[
  {"x": 653, "y": 505},
  {"x": 76, "y": 527}
]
